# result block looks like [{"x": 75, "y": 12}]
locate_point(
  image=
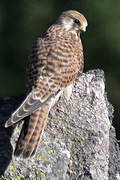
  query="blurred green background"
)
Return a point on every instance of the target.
[{"x": 22, "y": 21}]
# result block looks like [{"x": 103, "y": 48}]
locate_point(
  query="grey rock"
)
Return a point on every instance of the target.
[{"x": 78, "y": 143}]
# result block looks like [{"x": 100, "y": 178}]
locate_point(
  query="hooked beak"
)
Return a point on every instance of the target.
[{"x": 83, "y": 28}]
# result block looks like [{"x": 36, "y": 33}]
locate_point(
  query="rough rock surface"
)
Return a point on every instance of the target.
[{"x": 78, "y": 143}]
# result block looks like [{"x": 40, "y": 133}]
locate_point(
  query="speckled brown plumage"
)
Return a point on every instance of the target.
[{"x": 55, "y": 60}]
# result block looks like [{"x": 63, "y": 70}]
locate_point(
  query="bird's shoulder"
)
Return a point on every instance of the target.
[
  {"x": 56, "y": 33},
  {"x": 49, "y": 40}
]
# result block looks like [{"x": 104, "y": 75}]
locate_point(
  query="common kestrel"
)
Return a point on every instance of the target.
[{"x": 55, "y": 60}]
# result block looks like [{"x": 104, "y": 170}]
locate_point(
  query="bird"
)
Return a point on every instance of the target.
[{"x": 53, "y": 65}]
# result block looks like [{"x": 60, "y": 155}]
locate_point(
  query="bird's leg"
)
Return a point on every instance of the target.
[
  {"x": 56, "y": 98},
  {"x": 68, "y": 91}
]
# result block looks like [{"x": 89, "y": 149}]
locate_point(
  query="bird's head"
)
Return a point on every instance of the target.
[{"x": 73, "y": 21}]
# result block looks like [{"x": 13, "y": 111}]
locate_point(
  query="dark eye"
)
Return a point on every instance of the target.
[{"x": 77, "y": 21}]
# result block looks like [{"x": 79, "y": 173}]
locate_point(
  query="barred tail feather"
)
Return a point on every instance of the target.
[{"x": 32, "y": 132}]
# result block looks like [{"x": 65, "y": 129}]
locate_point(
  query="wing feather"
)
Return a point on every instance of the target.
[
  {"x": 29, "y": 105},
  {"x": 53, "y": 64}
]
